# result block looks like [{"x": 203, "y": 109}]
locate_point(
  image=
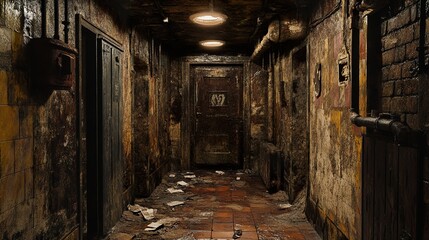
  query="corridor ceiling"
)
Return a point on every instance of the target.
[{"x": 247, "y": 21}]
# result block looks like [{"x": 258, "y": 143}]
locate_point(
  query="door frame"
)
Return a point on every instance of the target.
[
  {"x": 81, "y": 104},
  {"x": 187, "y": 129}
]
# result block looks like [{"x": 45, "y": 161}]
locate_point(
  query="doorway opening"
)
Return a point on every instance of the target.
[
  {"x": 88, "y": 55},
  {"x": 99, "y": 130}
]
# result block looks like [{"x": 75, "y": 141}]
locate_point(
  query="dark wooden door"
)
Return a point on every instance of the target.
[
  {"x": 218, "y": 115},
  {"x": 391, "y": 175},
  {"x": 111, "y": 162}
]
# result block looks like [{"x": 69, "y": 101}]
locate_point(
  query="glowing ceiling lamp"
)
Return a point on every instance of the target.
[
  {"x": 208, "y": 18},
  {"x": 212, "y": 43}
]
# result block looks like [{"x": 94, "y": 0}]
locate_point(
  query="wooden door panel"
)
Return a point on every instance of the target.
[
  {"x": 218, "y": 115},
  {"x": 390, "y": 190},
  {"x": 111, "y": 162}
]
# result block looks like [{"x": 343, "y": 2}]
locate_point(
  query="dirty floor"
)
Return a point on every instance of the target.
[{"x": 234, "y": 205}]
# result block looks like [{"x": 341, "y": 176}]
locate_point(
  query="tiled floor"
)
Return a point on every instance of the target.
[{"x": 216, "y": 206}]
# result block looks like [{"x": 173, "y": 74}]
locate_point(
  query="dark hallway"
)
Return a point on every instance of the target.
[{"x": 321, "y": 106}]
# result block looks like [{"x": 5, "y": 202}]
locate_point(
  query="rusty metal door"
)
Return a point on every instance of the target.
[{"x": 218, "y": 115}]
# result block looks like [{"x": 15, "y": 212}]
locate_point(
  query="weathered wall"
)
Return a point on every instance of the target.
[
  {"x": 140, "y": 75},
  {"x": 38, "y": 143},
  {"x": 290, "y": 116},
  {"x": 258, "y": 112},
  {"x": 335, "y": 148},
  {"x": 399, "y": 81},
  {"x": 175, "y": 111},
  {"x": 151, "y": 112}
]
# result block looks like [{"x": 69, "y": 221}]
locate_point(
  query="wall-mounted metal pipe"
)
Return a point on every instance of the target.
[
  {"x": 281, "y": 30},
  {"x": 66, "y": 21},
  {"x": 43, "y": 11},
  {"x": 370, "y": 5},
  {"x": 381, "y": 123},
  {"x": 56, "y": 19}
]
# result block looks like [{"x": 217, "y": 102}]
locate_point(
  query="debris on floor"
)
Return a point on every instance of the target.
[
  {"x": 190, "y": 176},
  {"x": 175, "y": 203},
  {"x": 284, "y": 206},
  {"x": 215, "y": 206},
  {"x": 134, "y": 208},
  {"x": 237, "y": 234},
  {"x": 153, "y": 226},
  {"x": 172, "y": 175},
  {"x": 220, "y": 172},
  {"x": 147, "y": 213},
  {"x": 173, "y": 190},
  {"x": 182, "y": 183}
]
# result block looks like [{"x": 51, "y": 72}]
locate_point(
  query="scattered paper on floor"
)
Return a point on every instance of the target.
[
  {"x": 153, "y": 226},
  {"x": 190, "y": 176},
  {"x": 134, "y": 208},
  {"x": 220, "y": 172},
  {"x": 173, "y": 190},
  {"x": 182, "y": 183},
  {"x": 175, "y": 203},
  {"x": 172, "y": 175},
  {"x": 285, "y": 206},
  {"x": 148, "y": 213}
]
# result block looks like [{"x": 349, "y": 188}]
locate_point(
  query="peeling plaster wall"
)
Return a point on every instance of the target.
[
  {"x": 38, "y": 143},
  {"x": 335, "y": 147}
]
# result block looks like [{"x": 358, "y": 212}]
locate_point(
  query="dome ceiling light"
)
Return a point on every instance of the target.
[
  {"x": 208, "y": 18},
  {"x": 212, "y": 43}
]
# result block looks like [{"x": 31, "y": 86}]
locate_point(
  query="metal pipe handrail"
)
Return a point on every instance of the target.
[{"x": 384, "y": 122}]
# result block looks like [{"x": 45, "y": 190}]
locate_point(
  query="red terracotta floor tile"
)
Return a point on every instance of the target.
[
  {"x": 223, "y": 227},
  {"x": 223, "y": 214},
  {"x": 244, "y": 221},
  {"x": 245, "y": 227},
  {"x": 222, "y": 188},
  {"x": 201, "y": 226},
  {"x": 202, "y": 234},
  {"x": 222, "y": 235},
  {"x": 223, "y": 219},
  {"x": 249, "y": 235}
]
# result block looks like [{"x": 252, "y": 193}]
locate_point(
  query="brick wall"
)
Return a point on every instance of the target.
[{"x": 399, "y": 86}]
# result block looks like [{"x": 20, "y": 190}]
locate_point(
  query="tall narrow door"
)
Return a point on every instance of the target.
[
  {"x": 111, "y": 162},
  {"x": 218, "y": 115}
]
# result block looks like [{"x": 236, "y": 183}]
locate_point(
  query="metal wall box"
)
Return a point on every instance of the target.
[{"x": 53, "y": 63}]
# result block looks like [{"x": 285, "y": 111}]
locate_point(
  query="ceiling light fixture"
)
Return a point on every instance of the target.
[
  {"x": 212, "y": 43},
  {"x": 208, "y": 18}
]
